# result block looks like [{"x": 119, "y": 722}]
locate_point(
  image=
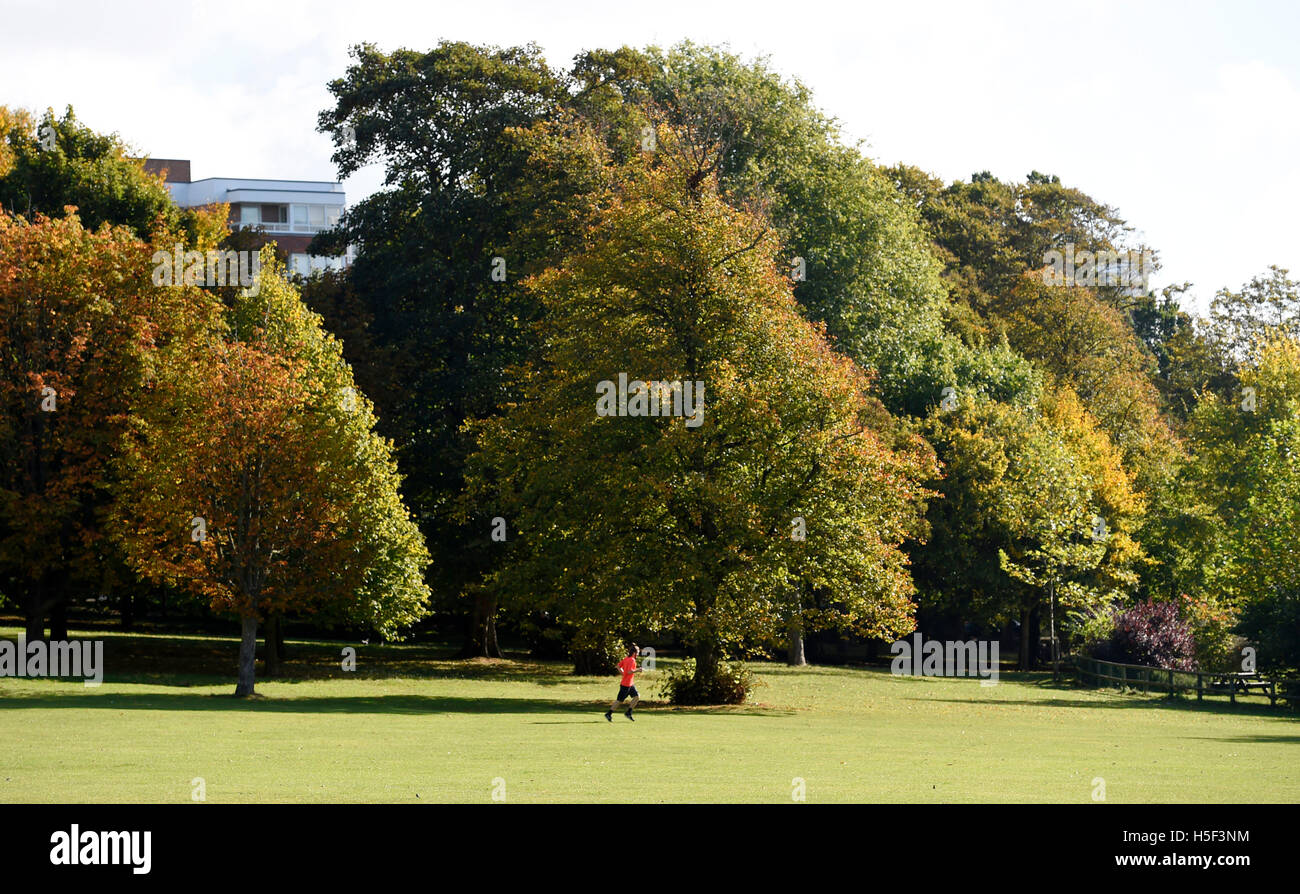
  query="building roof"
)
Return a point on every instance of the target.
[{"x": 189, "y": 193}]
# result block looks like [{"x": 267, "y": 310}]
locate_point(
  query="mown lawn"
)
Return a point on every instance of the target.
[{"x": 412, "y": 726}]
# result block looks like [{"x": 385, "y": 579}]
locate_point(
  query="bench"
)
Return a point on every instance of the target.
[{"x": 1231, "y": 684}]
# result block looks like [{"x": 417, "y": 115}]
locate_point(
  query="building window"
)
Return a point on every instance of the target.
[{"x": 314, "y": 218}]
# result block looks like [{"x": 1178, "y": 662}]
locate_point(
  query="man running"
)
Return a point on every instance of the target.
[{"x": 628, "y": 667}]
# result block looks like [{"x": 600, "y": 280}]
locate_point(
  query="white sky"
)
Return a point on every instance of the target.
[{"x": 1185, "y": 116}]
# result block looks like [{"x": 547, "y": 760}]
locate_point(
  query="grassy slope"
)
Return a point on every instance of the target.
[{"x": 408, "y": 727}]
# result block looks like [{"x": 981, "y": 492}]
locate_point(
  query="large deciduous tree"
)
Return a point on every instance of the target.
[
  {"x": 632, "y": 522},
  {"x": 857, "y": 252},
  {"x": 441, "y": 328},
  {"x": 253, "y": 480},
  {"x": 78, "y": 314}
]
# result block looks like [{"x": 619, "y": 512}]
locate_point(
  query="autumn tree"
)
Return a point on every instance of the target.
[
  {"x": 789, "y": 474},
  {"x": 857, "y": 253},
  {"x": 988, "y": 232},
  {"x": 1088, "y": 346},
  {"x": 88, "y": 313},
  {"x": 253, "y": 480},
  {"x": 77, "y": 312},
  {"x": 1035, "y": 498}
]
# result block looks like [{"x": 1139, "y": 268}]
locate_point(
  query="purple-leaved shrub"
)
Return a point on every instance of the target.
[{"x": 1151, "y": 634}]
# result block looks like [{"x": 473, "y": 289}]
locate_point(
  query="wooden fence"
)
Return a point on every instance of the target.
[{"x": 1171, "y": 681}]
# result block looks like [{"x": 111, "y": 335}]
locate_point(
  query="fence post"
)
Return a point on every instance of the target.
[
  {"x": 1200, "y": 686},
  {"x": 1171, "y": 682}
]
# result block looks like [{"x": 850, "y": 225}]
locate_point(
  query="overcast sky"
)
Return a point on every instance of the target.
[{"x": 1185, "y": 116}]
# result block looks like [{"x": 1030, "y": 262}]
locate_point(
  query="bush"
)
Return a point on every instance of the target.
[
  {"x": 732, "y": 685},
  {"x": 1091, "y": 631},
  {"x": 596, "y": 654},
  {"x": 1153, "y": 635}
]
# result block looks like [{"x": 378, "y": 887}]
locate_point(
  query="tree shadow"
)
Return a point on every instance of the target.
[
  {"x": 200, "y": 660},
  {"x": 1257, "y": 738},
  {"x": 1134, "y": 701},
  {"x": 362, "y": 704}
]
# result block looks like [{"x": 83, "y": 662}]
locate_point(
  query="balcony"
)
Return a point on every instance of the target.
[
  {"x": 300, "y": 219},
  {"x": 281, "y": 228}
]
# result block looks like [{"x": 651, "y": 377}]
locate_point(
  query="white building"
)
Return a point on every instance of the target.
[{"x": 291, "y": 211}]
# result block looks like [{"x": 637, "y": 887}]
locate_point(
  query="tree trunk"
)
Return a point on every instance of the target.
[
  {"x": 35, "y": 610},
  {"x": 794, "y": 654},
  {"x": 247, "y": 655},
  {"x": 1024, "y": 639},
  {"x": 126, "y": 604},
  {"x": 59, "y": 615},
  {"x": 1036, "y": 631},
  {"x": 272, "y": 647},
  {"x": 59, "y": 595},
  {"x": 706, "y": 666},
  {"x": 482, "y": 640}
]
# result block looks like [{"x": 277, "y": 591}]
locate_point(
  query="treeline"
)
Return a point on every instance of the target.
[{"x": 909, "y": 415}]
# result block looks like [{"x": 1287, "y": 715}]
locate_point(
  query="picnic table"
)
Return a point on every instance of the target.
[{"x": 1230, "y": 684}]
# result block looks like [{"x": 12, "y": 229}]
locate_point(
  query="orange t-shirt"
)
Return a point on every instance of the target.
[{"x": 628, "y": 667}]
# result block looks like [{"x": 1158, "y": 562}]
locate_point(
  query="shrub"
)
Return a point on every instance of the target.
[
  {"x": 596, "y": 654},
  {"x": 1153, "y": 635},
  {"x": 731, "y": 686},
  {"x": 1092, "y": 631}
]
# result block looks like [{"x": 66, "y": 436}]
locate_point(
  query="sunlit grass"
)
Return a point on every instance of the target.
[{"x": 414, "y": 725}]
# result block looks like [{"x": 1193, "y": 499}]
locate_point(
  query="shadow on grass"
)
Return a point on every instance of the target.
[
  {"x": 363, "y": 704},
  {"x": 211, "y": 660},
  {"x": 1261, "y": 740},
  {"x": 1123, "y": 701}
]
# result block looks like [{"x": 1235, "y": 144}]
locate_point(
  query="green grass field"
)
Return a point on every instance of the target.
[{"x": 410, "y": 726}]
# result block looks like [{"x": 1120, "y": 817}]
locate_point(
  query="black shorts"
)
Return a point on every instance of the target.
[{"x": 625, "y": 691}]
